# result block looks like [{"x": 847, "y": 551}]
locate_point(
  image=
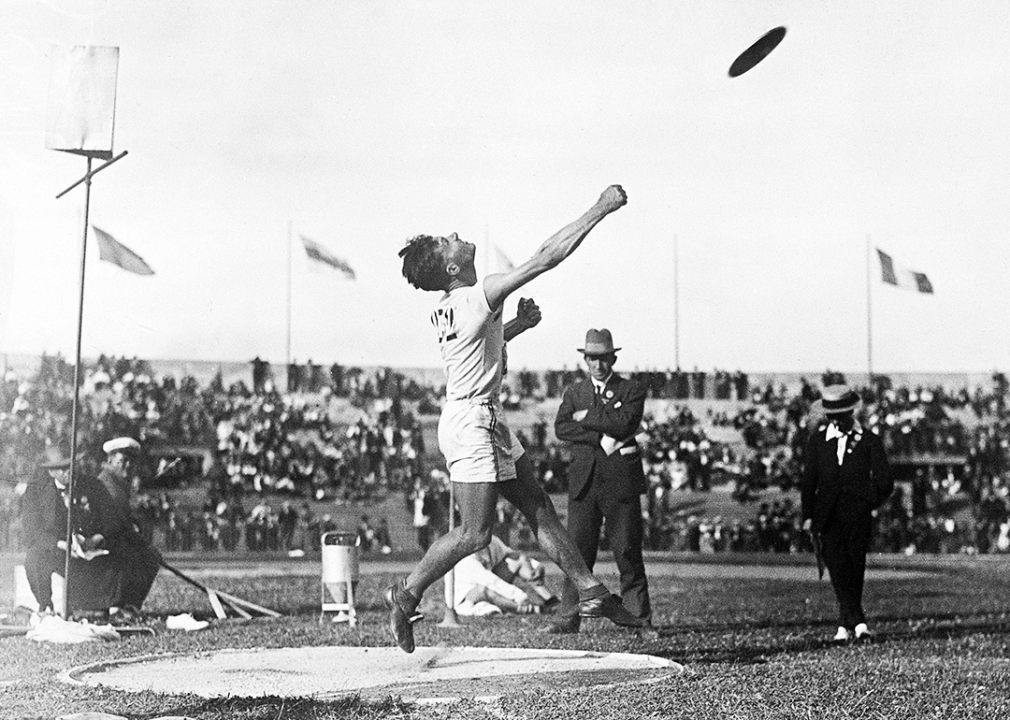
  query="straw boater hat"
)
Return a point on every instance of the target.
[
  {"x": 837, "y": 399},
  {"x": 599, "y": 342},
  {"x": 121, "y": 444}
]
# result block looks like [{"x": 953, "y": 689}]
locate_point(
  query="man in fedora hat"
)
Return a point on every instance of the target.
[
  {"x": 599, "y": 416},
  {"x": 846, "y": 475},
  {"x": 483, "y": 457},
  {"x": 94, "y": 581}
]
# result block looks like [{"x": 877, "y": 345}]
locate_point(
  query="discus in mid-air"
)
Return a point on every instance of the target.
[{"x": 757, "y": 52}]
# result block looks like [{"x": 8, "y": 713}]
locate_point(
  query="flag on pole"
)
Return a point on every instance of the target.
[
  {"x": 113, "y": 251},
  {"x": 894, "y": 274},
  {"x": 317, "y": 252}
]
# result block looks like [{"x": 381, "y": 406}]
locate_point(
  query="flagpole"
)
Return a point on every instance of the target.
[
  {"x": 287, "y": 348},
  {"x": 676, "y": 303},
  {"x": 869, "y": 314}
]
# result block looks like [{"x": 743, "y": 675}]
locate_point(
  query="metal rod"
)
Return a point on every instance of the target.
[
  {"x": 90, "y": 174},
  {"x": 180, "y": 574},
  {"x": 77, "y": 393},
  {"x": 869, "y": 316},
  {"x": 676, "y": 303},
  {"x": 287, "y": 354}
]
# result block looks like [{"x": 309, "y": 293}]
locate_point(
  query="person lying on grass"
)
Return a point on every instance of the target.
[{"x": 488, "y": 583}]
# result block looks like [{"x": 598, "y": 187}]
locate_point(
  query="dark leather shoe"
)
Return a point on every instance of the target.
[
  {"x": 401, "y": 619},
  {"x": 609, "y": 606},
  {"x": 567, "y": 625}
]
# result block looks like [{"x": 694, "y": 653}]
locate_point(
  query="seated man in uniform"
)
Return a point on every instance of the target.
[
  {"x": 487, "y": 582},
  {"x": 138, "y": 561}
]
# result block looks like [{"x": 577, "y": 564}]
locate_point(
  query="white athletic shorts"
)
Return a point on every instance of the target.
[{"x": 477, "y": 444}]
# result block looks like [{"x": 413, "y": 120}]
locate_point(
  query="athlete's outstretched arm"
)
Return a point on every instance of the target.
[{"x": 556, "y": 248}]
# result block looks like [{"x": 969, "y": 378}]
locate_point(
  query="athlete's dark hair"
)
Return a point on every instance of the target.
[{"x": 424, "y": 264}]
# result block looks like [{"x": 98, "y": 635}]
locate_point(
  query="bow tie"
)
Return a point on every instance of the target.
[{"x": 832, "y": 431}]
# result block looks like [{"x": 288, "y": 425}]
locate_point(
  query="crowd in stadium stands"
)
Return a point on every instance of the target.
[
  {"x": 226, "y": 525},
  {"x": 272, "y": 460}
]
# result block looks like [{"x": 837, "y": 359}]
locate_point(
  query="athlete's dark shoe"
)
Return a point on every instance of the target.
[
  {"x": 401, "y": 616},
  {"x": 609, "y": 606}
]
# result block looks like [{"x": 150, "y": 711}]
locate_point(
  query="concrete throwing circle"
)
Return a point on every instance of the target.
[{"x": 430, "y": 674}]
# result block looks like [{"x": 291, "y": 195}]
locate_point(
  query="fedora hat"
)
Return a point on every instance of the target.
[
  {"x": 839, "y": 399},
  {"x": 55, "y": 459},
  {"x": 599, "y": 342}
]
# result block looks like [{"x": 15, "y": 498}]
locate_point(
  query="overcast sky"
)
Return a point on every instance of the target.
[{"x": 359, "y": 124}]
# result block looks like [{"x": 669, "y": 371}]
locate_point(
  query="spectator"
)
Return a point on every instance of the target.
[{"x": 487, "y": 582}]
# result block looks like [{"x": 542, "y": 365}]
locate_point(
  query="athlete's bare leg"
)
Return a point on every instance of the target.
[
  {"x": 533, "y": 502},
  {"x": 477, "y": 503}
]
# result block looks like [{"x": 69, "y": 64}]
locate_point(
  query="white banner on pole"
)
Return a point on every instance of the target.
[{"x": 82, "y": 100}]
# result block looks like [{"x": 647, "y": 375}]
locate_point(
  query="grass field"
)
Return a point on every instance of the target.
[{"x": 753, "y": 647}]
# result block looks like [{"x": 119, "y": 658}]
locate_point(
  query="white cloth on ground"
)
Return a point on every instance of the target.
[{"x": 53, "y": 628}]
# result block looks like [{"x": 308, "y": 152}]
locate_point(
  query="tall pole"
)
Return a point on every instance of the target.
[
  {"x": 287, "y": 347},
  {"x": 68, "y": 537},
  {"x": 869, "y": 314},
  {"x": 676, "y": 303}
]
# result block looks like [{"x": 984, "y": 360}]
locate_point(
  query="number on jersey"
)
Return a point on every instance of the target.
[{"x": 444, "y": 320}]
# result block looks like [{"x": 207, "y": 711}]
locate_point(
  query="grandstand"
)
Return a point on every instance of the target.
[{"x": 226, "y": 454}]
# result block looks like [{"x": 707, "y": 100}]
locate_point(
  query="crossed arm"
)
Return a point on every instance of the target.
[{"x": 619, "y": 420}]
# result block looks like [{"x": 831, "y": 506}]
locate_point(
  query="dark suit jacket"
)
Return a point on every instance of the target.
[
  {"x": 864, "y": 473},
  {"x": 619, "y": 413},
  {"x": 45, "y": 513},
  {"x": 117, "y": 518},
  {"x": 95, "y": 584}
]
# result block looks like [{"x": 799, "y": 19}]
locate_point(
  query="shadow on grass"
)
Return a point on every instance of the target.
[
  {"x": 944, "y": 626},
  {"x": 736, "y": 643},
  {"x": 755, "y": 653}
]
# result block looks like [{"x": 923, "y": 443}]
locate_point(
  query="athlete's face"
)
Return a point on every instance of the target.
[{"x": 459, "y": 251}]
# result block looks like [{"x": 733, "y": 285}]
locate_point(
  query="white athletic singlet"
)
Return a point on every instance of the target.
[{"x": 470, "y": 338}]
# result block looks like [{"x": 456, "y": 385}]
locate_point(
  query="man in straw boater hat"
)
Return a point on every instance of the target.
[
  {"x": 137, "y": 560},
  {"x": 599, "y": 417},
  {"x": 846, "y": 476},
  {"x": 483, "y": 457}
]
